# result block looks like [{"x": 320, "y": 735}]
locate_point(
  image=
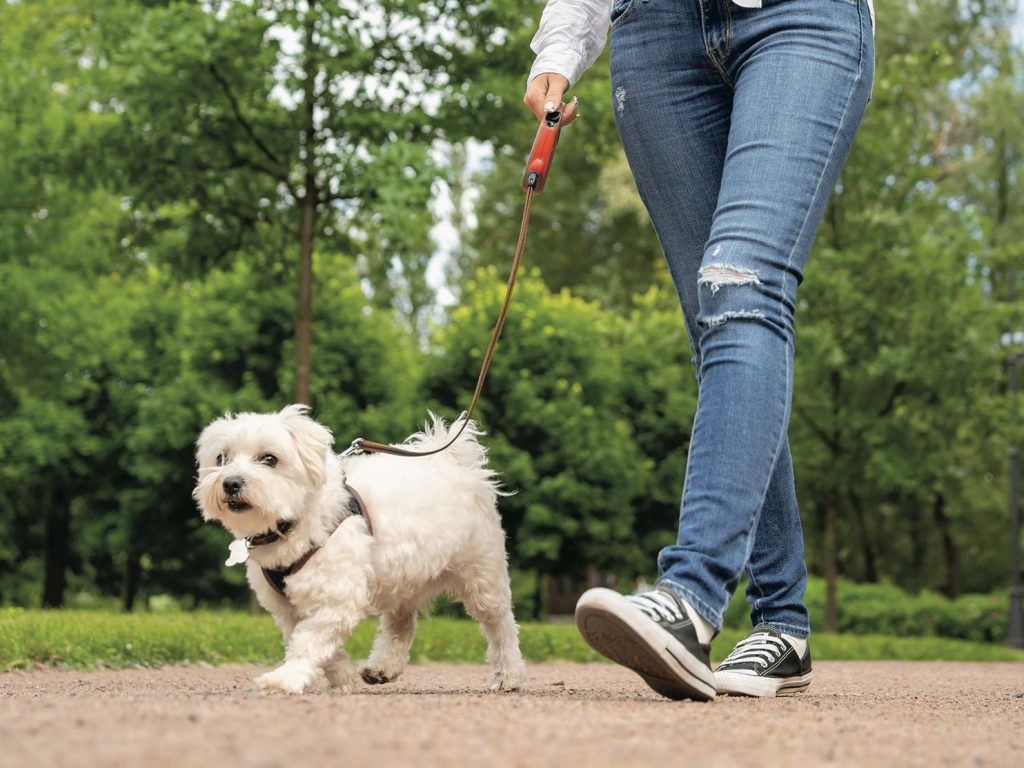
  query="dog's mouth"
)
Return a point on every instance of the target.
[{"x": 238, "y": 506}]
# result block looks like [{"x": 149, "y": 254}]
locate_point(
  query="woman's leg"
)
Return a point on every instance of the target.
[
  {"x": 801, "y": 73},
  {"x": 776, "y": 572},
  {"x": 789, "y": 83},
  {"x": 686, "y": 118},
  {"x": 786, "y": 85}
]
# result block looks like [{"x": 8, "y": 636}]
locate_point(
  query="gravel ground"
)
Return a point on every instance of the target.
[{"x": 592, "y": 715}]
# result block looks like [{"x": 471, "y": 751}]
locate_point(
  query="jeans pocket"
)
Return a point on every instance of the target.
[{"x": 622, "y": 10}]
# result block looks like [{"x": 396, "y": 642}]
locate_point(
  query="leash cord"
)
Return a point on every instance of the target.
[{"x": 361, "y": 445}]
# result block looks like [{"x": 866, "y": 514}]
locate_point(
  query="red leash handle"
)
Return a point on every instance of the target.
[{"x": 543, "y": 152}]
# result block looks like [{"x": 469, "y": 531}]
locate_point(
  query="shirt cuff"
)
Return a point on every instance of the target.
[{"x": 565, "y": 62}]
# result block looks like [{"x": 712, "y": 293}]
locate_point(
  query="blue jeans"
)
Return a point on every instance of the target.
[{"x": 736, "y": 123}]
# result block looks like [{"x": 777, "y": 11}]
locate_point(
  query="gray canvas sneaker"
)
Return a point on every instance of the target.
[
  {"x": 652, "y": 634},
  {"x": 764, "y": 664}
]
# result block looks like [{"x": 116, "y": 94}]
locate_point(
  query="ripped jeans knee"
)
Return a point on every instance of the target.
[{"x": 718, "y": 276}]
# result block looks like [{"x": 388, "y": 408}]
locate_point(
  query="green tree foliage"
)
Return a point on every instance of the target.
[
  {"x": 313, "y": 117},
  {"x": 57, "y": 236}
]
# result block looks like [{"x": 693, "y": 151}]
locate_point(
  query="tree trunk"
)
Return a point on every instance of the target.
[
  {"x": 130, "y": 584},
  {"x": 831, "y": 561},
  {"x": 918, "y": 542},
  {"x": 867, "y": 540},
  {"x": 540, "y": 597},
  {"x": 832, "y": 501},
  {"x": 950, "y": 552},
  {"x": 310, "y": 201},
  {"x": 304, "y": 314},
  {"x": 57, "y": 547}
]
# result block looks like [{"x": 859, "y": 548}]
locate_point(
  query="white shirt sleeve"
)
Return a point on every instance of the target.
[{"x": 571, "y": 36}]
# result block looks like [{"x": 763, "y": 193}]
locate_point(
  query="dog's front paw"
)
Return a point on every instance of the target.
[
  {"x": 291, "y": 678},
  {"x": 375, "y": 674},
  {"x": 507, "y": 680},
  {"x": 506, "y": 686}
]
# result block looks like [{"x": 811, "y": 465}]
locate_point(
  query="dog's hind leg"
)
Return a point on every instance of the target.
[
  {"x": 390, "y": 652},
  {"x": 484, "y": 590},
  {"x": 340, "y": 672}
]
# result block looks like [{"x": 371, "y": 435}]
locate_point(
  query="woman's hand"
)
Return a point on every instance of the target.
[{"x": 545, "y": 95}]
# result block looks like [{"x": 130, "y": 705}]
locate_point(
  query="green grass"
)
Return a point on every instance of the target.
[{"x": 90, "y": 639}]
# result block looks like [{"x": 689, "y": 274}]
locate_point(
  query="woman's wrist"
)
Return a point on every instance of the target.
[{"x": 559, "y": 61}]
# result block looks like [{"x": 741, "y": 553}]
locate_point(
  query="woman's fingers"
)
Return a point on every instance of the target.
[
  {"x": 545, "y": 95},
  {"x": 571, "y": 112}
]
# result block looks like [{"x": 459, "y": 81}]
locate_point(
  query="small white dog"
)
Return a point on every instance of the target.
[{"x": 320, "y": 562}]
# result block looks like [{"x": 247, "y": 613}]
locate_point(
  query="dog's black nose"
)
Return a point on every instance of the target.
[{"x": 233, "y": 485}]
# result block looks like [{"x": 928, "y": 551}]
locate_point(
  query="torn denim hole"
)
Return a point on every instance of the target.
[
  {"x": 716, "y": 275},
  {"x": 746, "y": 314},
  {"x": 620, "y": 99}
]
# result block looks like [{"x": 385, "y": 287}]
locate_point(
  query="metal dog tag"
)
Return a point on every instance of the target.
[{"x": 238, "y": 552}]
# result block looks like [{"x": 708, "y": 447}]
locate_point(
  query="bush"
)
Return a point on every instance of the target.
[{"x": 884, "y": 609}]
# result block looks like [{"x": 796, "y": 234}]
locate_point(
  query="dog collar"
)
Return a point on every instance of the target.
[
  {"x": 275, "y": 576},
  {"x": 278, "y": 532}
]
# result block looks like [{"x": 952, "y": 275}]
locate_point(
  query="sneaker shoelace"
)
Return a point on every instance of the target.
[
  {"x": 760, "y": 647},
  {"x": 657, "y": 605}
]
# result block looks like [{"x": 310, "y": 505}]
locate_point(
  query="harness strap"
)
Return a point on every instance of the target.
[
  {"x": 275, "y": 576},
  {"x": 361, "y": 508}
]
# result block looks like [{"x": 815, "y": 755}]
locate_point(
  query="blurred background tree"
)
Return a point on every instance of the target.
[{"x": 180, "y": 181}]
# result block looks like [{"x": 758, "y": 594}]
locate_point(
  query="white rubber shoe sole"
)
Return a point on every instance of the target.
[
  {"x": 619, "y": 631},
  {"x": 740, "y": 684}
]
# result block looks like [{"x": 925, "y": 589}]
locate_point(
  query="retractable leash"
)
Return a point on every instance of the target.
[{"x": 534, "y": 179}]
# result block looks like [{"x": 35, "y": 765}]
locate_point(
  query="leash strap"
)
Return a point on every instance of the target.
[{"x": 362, "y": 445}]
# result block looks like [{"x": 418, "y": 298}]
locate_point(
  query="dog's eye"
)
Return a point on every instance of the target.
[
  {"x": 222, "y": 459},
  {"x": 269, "y": 459}
]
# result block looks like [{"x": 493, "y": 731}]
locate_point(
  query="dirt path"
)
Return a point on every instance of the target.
[{"x": 581, "y": 716}]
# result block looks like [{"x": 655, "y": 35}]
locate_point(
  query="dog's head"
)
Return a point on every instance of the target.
[{"x": 256, "y": 469}]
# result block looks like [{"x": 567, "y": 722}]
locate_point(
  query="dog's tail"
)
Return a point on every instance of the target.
[{"x": 467, "y": 451}]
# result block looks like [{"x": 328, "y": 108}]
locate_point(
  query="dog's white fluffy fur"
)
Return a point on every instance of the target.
[{"x": 436, "y": 529}]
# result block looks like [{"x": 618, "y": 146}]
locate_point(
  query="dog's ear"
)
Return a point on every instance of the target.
[
  {"x": 208, "y": 444},
  {"x": 313, "y": 441}
]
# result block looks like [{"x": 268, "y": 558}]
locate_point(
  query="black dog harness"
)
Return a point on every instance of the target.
[{"x": 275, "y": 576}]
